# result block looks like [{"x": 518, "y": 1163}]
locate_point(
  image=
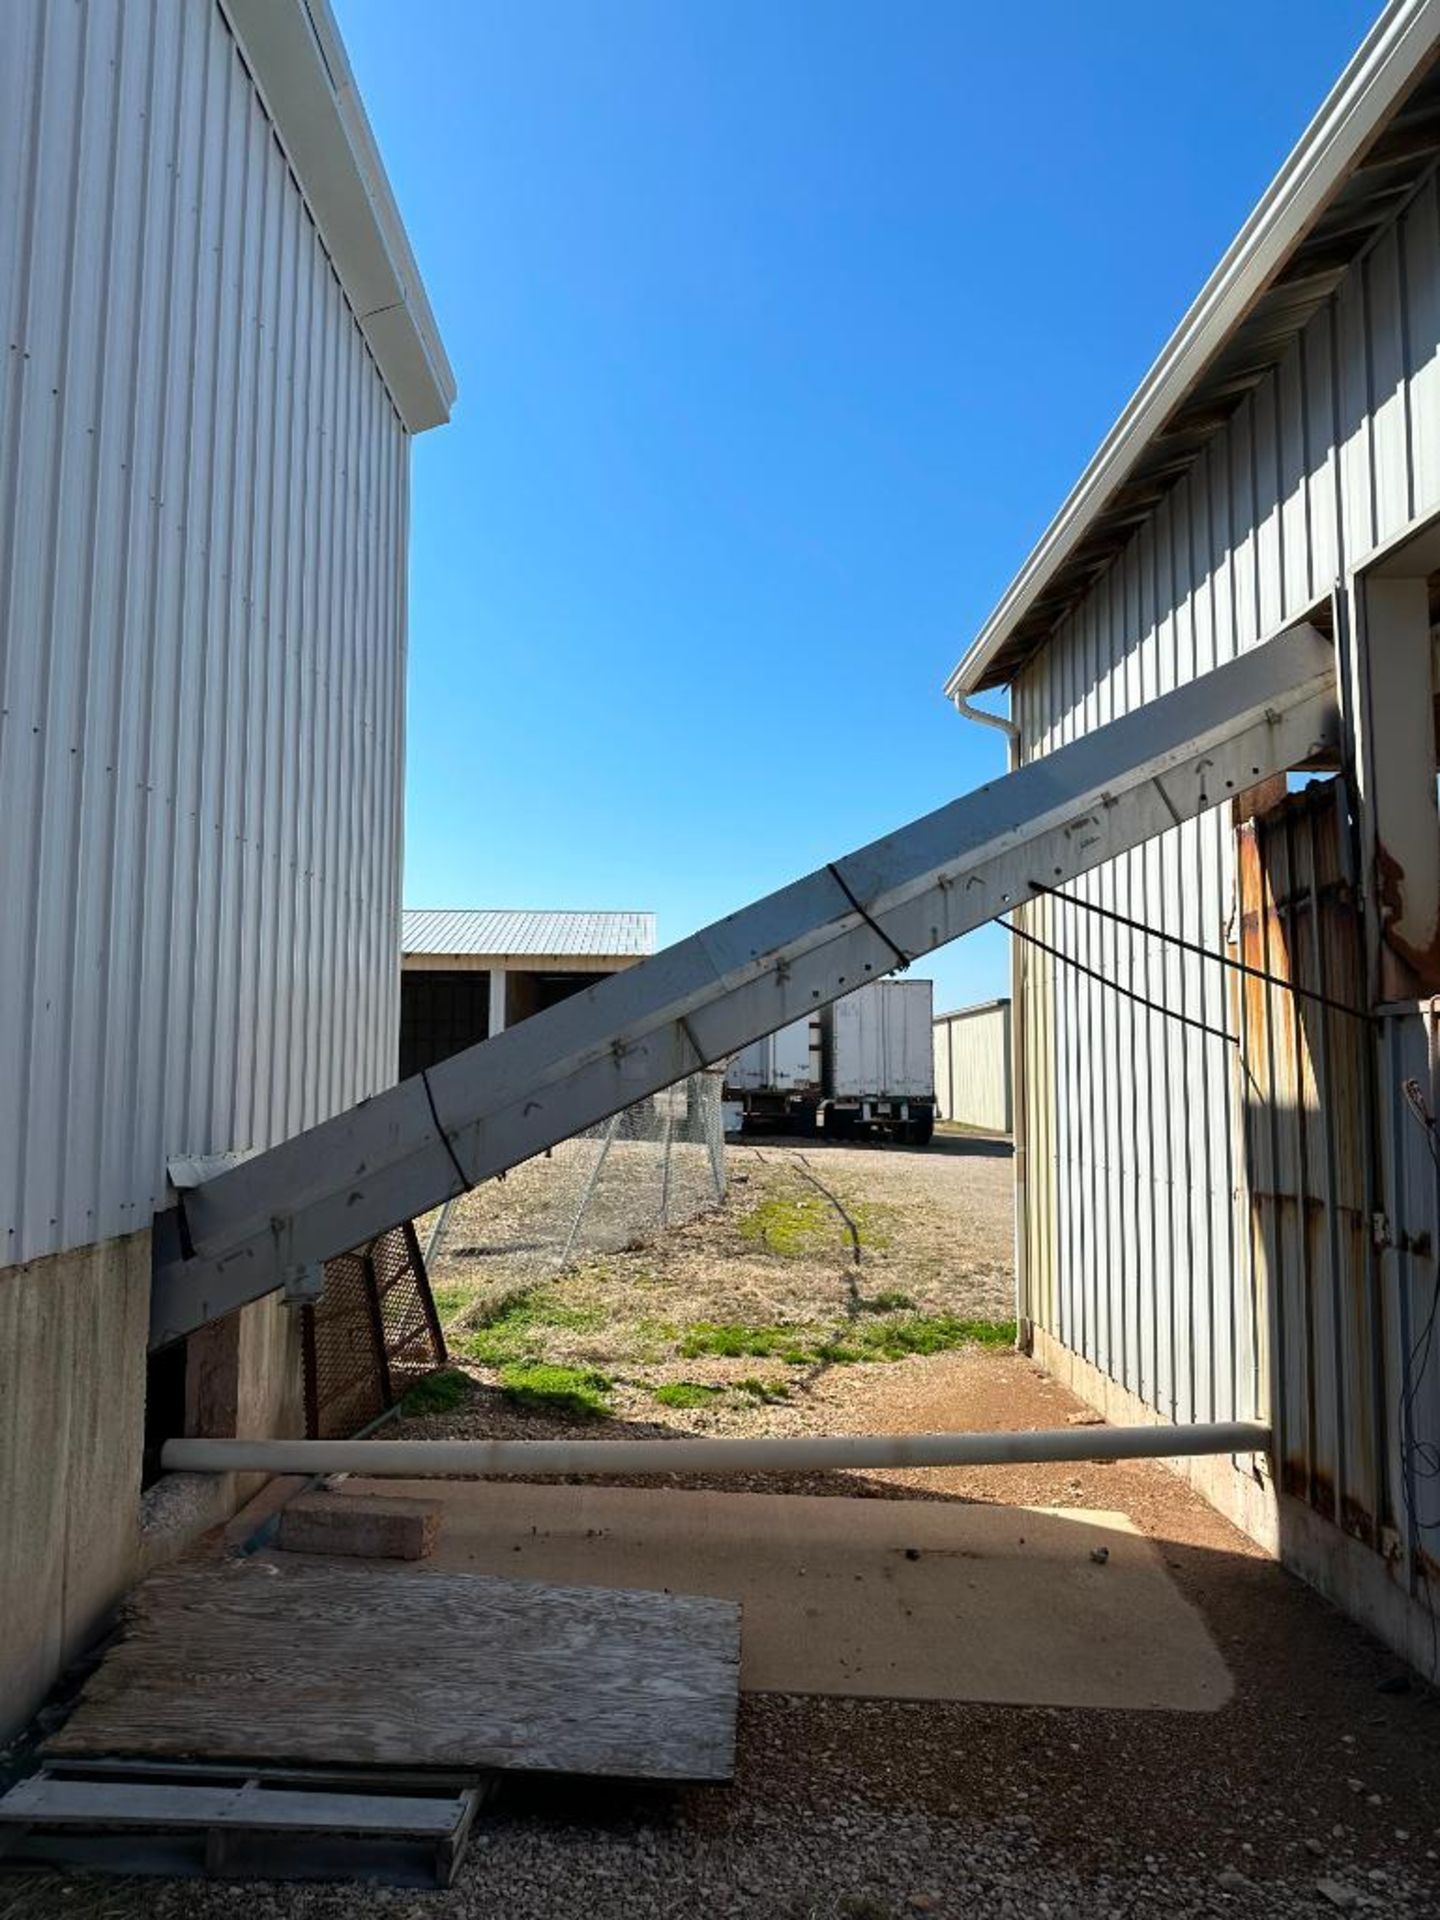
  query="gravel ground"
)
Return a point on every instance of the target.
[{"x": 1314, "y": 1791}]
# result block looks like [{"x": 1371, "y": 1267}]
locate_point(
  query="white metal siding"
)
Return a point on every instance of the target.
[
  {"x": 1139, "y": 1254},
  {"x": 203, "y": 496},
  {"x": 972, "y": 1066}
]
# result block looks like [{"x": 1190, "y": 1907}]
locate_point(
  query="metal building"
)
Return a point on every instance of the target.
[
  {"x": 972, "y": 1066},
  {"x": 468, "y": 973},
  {"x": 217, "y": 349},
  {"x": 1227, "y": 1194}
]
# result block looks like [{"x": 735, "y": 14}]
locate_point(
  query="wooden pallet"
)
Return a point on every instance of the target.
[{"x": 233, "y": 1823}]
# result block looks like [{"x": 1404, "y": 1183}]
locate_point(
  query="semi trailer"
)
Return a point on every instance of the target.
[
  {"x": 776, "y": 1083},
  {"x": 866, "y": 1062},
  {"x": 879, "y": 1062}
]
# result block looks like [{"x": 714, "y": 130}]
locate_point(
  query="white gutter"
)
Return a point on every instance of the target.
[
  {"x": 296, "y": 58},
  {"x": 594, "y": 1459},
  {"x": 1388, "y": 60}
]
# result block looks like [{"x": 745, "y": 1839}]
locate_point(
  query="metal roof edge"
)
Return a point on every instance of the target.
[
  {"x": 297, "y": 60},
  {"x": 1388, "y": 58}
]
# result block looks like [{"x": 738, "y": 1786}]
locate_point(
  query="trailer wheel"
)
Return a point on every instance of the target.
[
  {"x": 921, "y": 1130},
  {"x": 839, "y": 1125}
]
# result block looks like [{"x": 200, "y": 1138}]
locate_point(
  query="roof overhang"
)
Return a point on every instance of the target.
[
  {"x": 1353, "y": 166},
  {"x": 297, "y": 61}
]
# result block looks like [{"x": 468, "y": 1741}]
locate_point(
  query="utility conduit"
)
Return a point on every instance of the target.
[{"x": 414, "y": 1459}]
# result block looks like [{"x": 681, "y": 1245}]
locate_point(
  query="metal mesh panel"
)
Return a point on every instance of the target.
[{"x": 370, "y": 1337}]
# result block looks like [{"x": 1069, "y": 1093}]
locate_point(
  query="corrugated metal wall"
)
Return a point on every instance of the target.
[
  {"x": 972, "y": 1066},
  {"x": 1138, "y": 1249},
  {"x": 203, "y": 496}
]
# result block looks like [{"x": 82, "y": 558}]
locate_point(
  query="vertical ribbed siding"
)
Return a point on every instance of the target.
[
  {"x": 1140, "y": 1255},
  {"x": 202, "y": 547}
]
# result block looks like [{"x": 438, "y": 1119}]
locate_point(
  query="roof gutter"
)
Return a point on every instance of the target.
[
  {"x": 1387, "y": 60},
  {"x": 297, "y": 60}
]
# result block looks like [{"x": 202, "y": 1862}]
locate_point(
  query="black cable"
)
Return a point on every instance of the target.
[
  {"x": 903, "y": 959},
  {"x": 466, "y": 1182},
  {"x": 1205, "y": 953},
  {"x": 1034, "y": 940}
]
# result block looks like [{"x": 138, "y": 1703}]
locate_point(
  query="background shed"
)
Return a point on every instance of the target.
[{"x": 467, "y": 973}]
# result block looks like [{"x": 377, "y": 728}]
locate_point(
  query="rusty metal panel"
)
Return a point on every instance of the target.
[
  {"x": 1306, "y": 1071},
  {"x": 1408, "y": 1330},
  {"x": 203, "y": 490},
  {"x": 372, "y": 1336}
]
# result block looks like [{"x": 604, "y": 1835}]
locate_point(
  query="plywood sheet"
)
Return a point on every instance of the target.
[
  {"x": 885, "y": 1599},
  {"x": 411, "y": 1666}
]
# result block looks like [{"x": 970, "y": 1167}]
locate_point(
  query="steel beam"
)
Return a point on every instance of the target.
[{"x": 487, "y": 1109}]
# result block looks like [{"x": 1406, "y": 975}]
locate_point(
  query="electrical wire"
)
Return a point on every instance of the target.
[
  {"x": 1127, "y": 993},
  {"x": 1205, "y": 953}
]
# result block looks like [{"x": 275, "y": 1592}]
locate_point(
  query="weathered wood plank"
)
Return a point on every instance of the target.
[{"x": 414, "y": 1666}]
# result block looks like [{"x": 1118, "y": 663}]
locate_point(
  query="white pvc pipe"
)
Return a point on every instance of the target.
[{"x": 413, "y": 1459}]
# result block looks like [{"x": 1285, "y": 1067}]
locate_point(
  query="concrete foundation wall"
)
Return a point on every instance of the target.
[
  {"x": 74, "y": 1532},
  {"x": 72, "y": 1417}
]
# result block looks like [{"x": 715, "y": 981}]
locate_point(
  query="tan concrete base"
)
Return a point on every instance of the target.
[
  {"x": 1356, "y": 1579},
  {"x": 72, "y": 1413},
  {"x": 880, "y": 1599},
  {"x": 73, "y": 1335}
]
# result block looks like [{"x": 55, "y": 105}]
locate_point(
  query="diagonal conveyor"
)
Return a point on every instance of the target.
[{"x": 498, "y": 1103}]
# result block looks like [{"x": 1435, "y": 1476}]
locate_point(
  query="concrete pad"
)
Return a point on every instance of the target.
[{"x": 876, "y": 1599}]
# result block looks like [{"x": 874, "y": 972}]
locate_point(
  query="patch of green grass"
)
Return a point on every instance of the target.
[
  {"x": 576, "y": 1393},
  {"x": 797, "y": 1225},
  {"x": 928, "y": 1333},
  {"x": 886, "y": 1303},
  {"x": 686, "y": 1393},
  {"x": 768, "y": 1392},
  {"x": 441, "y": 1393},
  {"x": 924, "y": 1333},
  {"x": 792, "y": 1224},
  {"x": 515, "y": 1330},
  {"x": 451, "y": 1301},
  {"x": 734, "y": 1341}
]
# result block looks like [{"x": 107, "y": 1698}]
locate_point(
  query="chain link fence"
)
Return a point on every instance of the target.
[{"x": 617, "y": 1185}]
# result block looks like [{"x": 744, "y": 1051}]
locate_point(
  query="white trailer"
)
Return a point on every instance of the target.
[
  {"x": 775, "y": 1083},
  {"x": 879, "y": 1062}
]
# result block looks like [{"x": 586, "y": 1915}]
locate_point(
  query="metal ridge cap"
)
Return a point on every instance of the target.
[
  {"x": 296, "y": 58},
  {"x": 1386, "y": 60}
]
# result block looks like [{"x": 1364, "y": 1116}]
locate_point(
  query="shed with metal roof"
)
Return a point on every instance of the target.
[{"x": 470, "y": 972}]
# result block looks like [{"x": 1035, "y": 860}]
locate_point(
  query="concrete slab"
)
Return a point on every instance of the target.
[{"x": 878, "y": 1599}]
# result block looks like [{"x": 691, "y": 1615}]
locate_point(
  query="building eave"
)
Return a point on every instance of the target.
[
  {"x": 297, "y": 60},
  {"x": 1392, "y": 56}
]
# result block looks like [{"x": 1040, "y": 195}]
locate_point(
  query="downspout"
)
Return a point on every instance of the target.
[{"x": 1024, "y": 1322}]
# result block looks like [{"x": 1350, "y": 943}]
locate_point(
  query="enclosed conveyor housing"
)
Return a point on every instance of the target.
[{"x": 268, "y": 1221}]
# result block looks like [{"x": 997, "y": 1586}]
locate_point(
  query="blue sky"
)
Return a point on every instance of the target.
[{"x": 781, "y": 328}]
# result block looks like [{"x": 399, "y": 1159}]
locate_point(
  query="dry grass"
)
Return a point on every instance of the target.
[{"x": 733, "y": 1318}]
